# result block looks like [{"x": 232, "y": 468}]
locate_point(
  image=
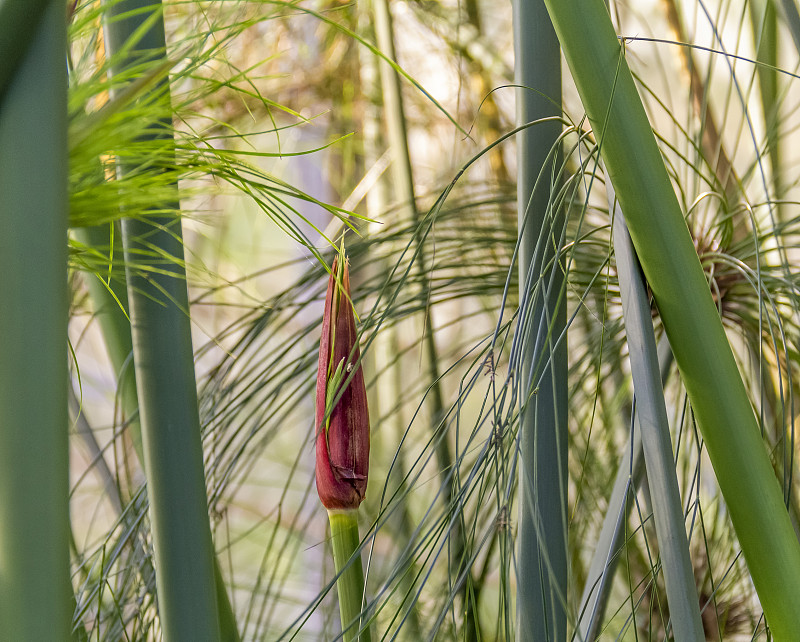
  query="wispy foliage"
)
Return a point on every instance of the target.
[{"x": 240, "y": 105}]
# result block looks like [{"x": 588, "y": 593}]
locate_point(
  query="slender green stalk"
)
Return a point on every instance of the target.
[
  {"x": 542, "y": 536},
  {"x": 191, "y": 604},
  {"x": 108, "y": 294},
  {"x": 386, "y": 348},
  {"x": 611, "y": 542},
  {"x": 764, "y": 23},
  {"x": 35, "y": 601},
  {"x": 350, "y": 585},
  {"x": 791, "y": 16},
  {"x": 404, "y": 190},
  {"x": 690, "y": 317},
  {"x": 651, "y": 411},
  {"x": 110, "y": 302}
]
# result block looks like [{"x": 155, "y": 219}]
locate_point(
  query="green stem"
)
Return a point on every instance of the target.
[
  {"x": 193, "y": 602},
  {"x": 35, "y": 601},
  {"x": 110, "y": 303},
  {"x": 19, "y": 22},
  {"x": 651, "y": 411},
  {"x": 403, "y": 178},
  {"x": 389, "y": 386},
  {"x": 611, "y": 542},
  {"x": 542, "y": 538},
  {"x": 764, "y": 23},
  {"x": 345, "y": 542}
]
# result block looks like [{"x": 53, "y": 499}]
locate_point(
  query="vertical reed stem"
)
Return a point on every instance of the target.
[
  {"x": 542, "y": 538},
  {"x": 350, "y": 585},
  {"x": 35, "y": 600}
]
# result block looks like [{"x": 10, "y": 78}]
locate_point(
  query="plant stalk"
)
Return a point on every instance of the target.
[
  {"x": 190, "y": 598},
  {"x": 345, "y": 542},
  {"x": 35, "y": 586},
  {"x": 404, "y": 190},
  {"x": 19, "y": 23},
  {"x": 611, "y": 541},
  {"x": 542, "y": 535},
  {"x": 651, "y": 411},
  {"x": 386, "y": 347},
  {"x": 764, "y": 23},
  {"x": 110, "y": 310}
]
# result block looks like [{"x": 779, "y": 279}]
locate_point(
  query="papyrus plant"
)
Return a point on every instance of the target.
[
  {"x": 342, "y": 443},
  {"x": 670, "y": 263}
]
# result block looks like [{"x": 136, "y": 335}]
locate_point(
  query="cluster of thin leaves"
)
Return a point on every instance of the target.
[{"x": 257, "y": 399}]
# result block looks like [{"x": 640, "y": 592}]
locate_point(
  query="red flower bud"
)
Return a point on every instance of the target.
[{"x": 342, "y": 437}]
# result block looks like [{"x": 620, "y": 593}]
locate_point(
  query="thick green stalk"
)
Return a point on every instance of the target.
[
  {"x": 673, "y": 271},
  {"x": 110, "y": 303},
  {"x": 651, "y": 411},
  {"x": 19, "y": 22},
  {"x": 35, "y": 601},
  {"x": 350, "y": 585},
  {"x": 542, "y": 536},
  {"x": 189, "y": 596},
  {"x": 171, "y": 438},
  {"x": 116, "y": 331}
]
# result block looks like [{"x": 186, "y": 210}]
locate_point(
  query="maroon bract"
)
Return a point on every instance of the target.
[{"x": 343, "y": 438}]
